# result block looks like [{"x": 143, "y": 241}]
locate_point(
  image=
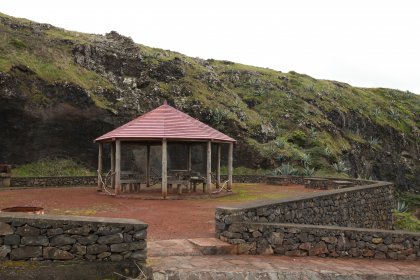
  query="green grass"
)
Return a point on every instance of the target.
[
  {"x": 406, "y": 221},
  {"x": 51, "y": 167},
  {"x": 250, "y": 192}
]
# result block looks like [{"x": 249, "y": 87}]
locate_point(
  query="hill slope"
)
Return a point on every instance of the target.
[{"x": 60, "y": 89}]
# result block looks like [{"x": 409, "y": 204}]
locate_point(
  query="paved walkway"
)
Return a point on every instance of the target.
[{"x": 184, "y": 259}]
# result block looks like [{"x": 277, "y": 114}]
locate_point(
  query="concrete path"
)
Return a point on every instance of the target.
[{"x": 185, "y": 259}]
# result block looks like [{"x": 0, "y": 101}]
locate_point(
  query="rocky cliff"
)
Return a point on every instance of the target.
[{"x": 60, "y": 89}]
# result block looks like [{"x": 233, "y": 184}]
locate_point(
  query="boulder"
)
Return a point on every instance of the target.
[
  {"x": 12, "y": 239},
  {"x": 61, "y": 240},
  {"x": 35, "y": 240},
  {"x": 5, "y": 229},
  {"x": 96, "y": 249},
  {"x": 4, "y": 250},
  {"x": 27, "y": 231},
  {"x": 25, "y": 253},
  {"x": 111, "y": 239},
  {"x": 56, "y": 254},
  {"x": 87, "y": 240}
]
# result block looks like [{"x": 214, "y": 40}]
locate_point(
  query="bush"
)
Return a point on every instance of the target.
[
  {"x": 406, "y": 221},
  {"x": 286, "y": 170},
  {"x": 340, "y": 167},
  {"x": 298, "y": 137},
  {"x": 52, "y": 167}
]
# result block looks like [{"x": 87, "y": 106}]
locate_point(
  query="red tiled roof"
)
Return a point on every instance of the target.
[{"x": 165, "y": 122}]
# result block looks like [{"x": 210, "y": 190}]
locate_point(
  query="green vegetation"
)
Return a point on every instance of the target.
[
  {"x": 282, "y": 117},
  {"x": 52, "y": 167},
  {"x": 406, "y": 221},
  {"x": 286, "y": 170},
  {"x": 408, "y": 205}
]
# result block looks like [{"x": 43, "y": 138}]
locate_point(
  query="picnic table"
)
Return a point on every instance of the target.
[{"x": 185, "y": 177}]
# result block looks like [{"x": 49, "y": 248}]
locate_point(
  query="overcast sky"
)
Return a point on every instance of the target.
[{"x": 362, "y": 42}]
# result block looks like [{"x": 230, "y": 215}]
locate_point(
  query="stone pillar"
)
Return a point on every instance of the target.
[
  {"x": 118, "y": 167},
  {"x": 230, "y": 166},
  {"x": 208, "y": 184},
  {"x": 164, "y": 168},
  {"x": 100, "y": 151}
]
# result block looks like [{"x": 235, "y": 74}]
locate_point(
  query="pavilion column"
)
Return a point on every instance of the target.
[
  {"x": 148, "y": 166},
  {"x": 230, "y": 166},
  {"x": 112, "y": 164},
  {"x": 208, "y": 184},
  {"x": 189, "y": 166},
  {"x": 219, "y": 156},
  {"x": 100, "y": 165},
  {"x": 164, "y": 168},
  {"x": 118, "y": 167}
]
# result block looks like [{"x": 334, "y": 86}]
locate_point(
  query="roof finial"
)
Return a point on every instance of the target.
[{"x": 165, "y": 102}]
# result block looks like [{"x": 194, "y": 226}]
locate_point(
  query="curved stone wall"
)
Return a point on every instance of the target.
[{"x": 349, "y": 222}]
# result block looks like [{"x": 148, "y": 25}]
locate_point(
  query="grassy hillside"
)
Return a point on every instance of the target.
[{"x": 283, "y": 121}]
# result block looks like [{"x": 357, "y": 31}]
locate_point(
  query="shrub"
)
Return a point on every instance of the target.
[
  {"x": 52, "y": 167},
  {"x": 306, "y": 159},
  {"x": 307, "y": 171},
  {"x": 340, "y": 167},
  {"x": 286, "y": 170},
  {"x": 280, "y": 143},
  {"x": 298, "y": 137},
  {"x": 406, "y": 221},
  {"x": 402, "y": 207}
]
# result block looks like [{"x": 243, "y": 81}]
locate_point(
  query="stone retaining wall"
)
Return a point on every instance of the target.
[
  {"x": 54, "y": 181},
  {"x": 368, "y": 206},
  {"x": 313, "y": 182},
  {"x": 70, "y": 238},
  {"x": 93, "y": 180},
  {"x": 325, "y": 241}
]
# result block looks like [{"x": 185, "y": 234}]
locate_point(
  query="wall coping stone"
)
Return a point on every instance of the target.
[{"x": 8, "y": 216}]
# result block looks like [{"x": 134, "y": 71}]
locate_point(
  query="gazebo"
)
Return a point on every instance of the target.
[{"x": 159, "y": 127}]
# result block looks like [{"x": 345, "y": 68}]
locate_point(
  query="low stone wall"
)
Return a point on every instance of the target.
[
  {"x": 315, "y": 182},
  {"x": 70, "y": 238},
  {"x": 54, "y": 181},
  {"x": 308, "y": 240},
  {"x": 368, "y": 206},
  {"x": 245, "y": 178},
  {"x": 93, "y": 180}
]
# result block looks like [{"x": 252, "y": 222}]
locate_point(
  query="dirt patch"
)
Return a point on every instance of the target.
[{"x": 167, "y": 219}]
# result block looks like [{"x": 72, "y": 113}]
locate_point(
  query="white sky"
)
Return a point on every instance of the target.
[{"x": 366, "y": 43}]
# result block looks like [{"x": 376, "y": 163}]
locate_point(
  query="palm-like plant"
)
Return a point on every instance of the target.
[
  {"x": 340, "y": 167},
  {"x": 286, "y": 170}
]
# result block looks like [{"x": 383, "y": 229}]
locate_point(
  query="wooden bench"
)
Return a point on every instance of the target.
[{"x": 130, "y": 181}]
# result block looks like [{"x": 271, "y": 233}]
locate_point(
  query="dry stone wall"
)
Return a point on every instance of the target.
[
  {"x": 69, "y": 238},
  {"x": 368, "y": 206},
  {"x": 324, "y": 241},
  {"x": 351, "y": 222},
  {"x": 54, "y": 181}
]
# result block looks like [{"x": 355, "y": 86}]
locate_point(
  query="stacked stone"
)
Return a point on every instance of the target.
[
  {"x": 54, "y": 181},
  {"x": 303, "y": 240},
  {"x": 367, "y": 206},
  {"x": 24, "y": 237}
]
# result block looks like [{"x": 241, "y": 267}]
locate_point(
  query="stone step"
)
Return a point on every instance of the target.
[
  {"x": 213, "y": 246},
  {"x": 172, "y": 247}
]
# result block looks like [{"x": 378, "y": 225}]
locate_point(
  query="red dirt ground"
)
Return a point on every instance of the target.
[{"x": 167, "y": 219}]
